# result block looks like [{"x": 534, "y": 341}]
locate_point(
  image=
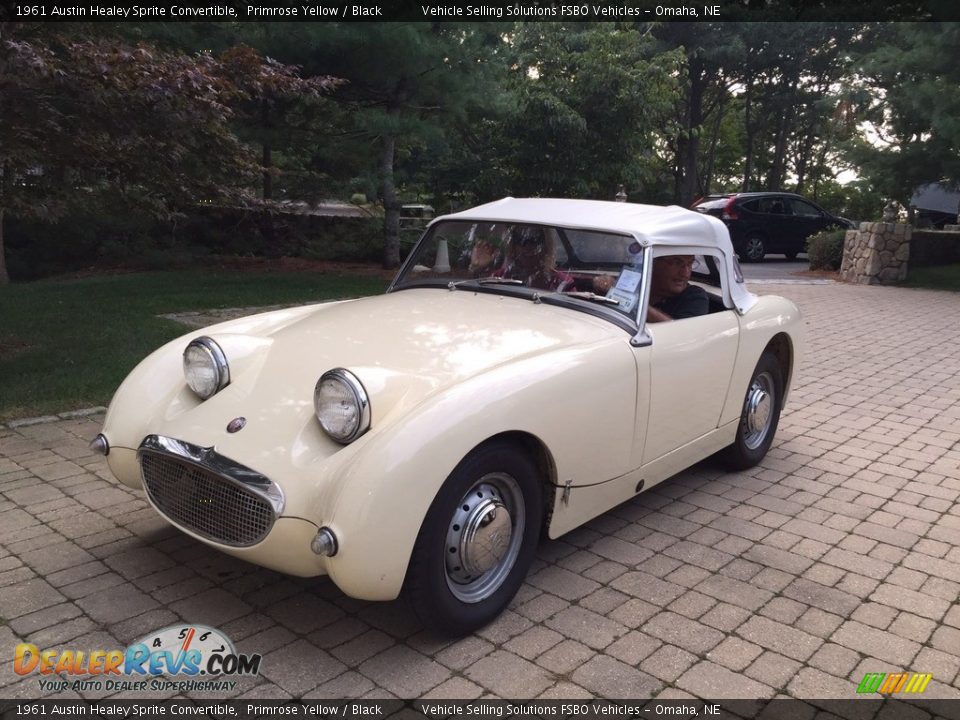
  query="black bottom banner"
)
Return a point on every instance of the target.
[{"x": 776, "y": 709}]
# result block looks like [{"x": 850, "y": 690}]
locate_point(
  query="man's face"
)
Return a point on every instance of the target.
[
  {"x": 528, "y": 253},
  {"x": 671, "y": 274}
]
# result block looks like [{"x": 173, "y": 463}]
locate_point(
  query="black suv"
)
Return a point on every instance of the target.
[{"x": 768, "y": 222}]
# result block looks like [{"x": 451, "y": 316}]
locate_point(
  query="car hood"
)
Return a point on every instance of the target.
[
  {"x": 424, "y": 339},
  {"x": 404, "y": 347}
]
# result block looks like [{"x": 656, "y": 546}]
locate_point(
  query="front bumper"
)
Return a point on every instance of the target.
[
  {"x": 221, "y": 503},
  {"x": 207, "y": 493}
]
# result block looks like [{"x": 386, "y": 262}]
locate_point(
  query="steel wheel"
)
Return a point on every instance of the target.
[
  {"x": 484, "y": 537},
  {"x": 760, "y": 415},
  {"x": 477, "y": 540},
  {"x": 757, "y": 415}
]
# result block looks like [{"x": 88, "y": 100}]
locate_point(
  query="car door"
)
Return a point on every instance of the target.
[
  {"x": 807, "y": 220},
  {"x": 772, "y": 222},
  {"x": 691, "y": 361}
]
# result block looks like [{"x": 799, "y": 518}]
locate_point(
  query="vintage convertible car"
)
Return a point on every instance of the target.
[{"x": 425, "y": 439}]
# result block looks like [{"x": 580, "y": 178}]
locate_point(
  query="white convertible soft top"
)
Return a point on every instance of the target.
[{"x": 650, "y": 224}]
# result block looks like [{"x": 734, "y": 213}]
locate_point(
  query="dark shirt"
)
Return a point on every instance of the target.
[{"x": 691, "y": 302}]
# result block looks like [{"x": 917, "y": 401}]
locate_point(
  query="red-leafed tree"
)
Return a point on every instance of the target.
[{"x": 81, "y": 119}]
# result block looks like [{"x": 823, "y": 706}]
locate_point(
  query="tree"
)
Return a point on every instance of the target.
[
  {"x": 588, "y": 99},
  {"x": 912, "y": 71},
  {"x": 407, "y": 84},
  {"x": 81, "y": 117},
  {"x": 709, "y": 50},
  {"x": 790, "y": 81}
]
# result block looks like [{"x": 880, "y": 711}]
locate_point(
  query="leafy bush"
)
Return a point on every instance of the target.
[
  {"x": 825, "y": 249},
  {"x": 97, "y": 237},
  {"x": 82, "y": 239},
  {"x": 344, "y": 239}
]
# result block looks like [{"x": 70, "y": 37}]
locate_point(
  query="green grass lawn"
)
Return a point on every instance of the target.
[
  {"x": 67, "y": 344},
  {"x": 942, "y": 277}
]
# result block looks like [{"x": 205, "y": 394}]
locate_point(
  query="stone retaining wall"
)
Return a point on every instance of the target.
[
  {"x": 876, "y": 254},
  {"x": 934, "y": 247}
]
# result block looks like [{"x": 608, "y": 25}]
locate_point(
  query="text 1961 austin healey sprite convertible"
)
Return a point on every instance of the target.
[{"x": 507, "y": 385}]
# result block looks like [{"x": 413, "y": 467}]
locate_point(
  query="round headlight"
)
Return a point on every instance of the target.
[
  {"x": 342, "y": 406},
  {"x": 205, "y": 367}
]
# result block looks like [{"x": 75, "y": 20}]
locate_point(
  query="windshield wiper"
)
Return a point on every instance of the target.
[
  {"x": 499, "y": 280},
  {"x": 492, "y": 280},
  {"x": 593, "y": 297}
]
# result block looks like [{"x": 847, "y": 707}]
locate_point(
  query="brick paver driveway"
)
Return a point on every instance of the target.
[{"x": 839, "y": 556}]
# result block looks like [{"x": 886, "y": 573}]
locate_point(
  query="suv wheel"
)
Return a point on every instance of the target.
[{"x": 753, "y": 249}]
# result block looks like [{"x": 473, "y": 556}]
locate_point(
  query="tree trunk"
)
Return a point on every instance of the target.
[
  {"x": 819, "y": 170},
  {"x": 803, "y": 158},
  {"x": 712, "y": 152},
  {"x": 778, "y": 170},
  {"x": 267, "y": 151},
  {"x": 5, "y": 173},
  {"x": 267, "y": 227},
  {"x": 748, "y": 127},
  {"x": 391, "y": 205},
  {"x": 691, "y": 145},
  {"x": 4, "y": 277}
]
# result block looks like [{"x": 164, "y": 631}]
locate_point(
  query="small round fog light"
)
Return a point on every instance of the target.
[
  {"x": 325, "y": 542},
  {"x": 100, "y": 445}
]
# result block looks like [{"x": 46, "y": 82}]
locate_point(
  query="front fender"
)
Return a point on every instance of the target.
[
  {"x": 155, "y": 390},
  {"x": 578, "y": 402}
]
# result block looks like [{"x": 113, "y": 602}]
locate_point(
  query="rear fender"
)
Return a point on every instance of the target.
[{"x": 772, "y": 317}]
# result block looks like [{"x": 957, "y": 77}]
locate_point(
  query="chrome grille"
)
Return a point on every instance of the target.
[{"x": 204, "y": 501}]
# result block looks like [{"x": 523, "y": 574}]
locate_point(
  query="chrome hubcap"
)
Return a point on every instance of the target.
[
  {"x": 486, "y": 537},
  {"x": 758, "y": 411},
  {"x": 483, "y": 537}
]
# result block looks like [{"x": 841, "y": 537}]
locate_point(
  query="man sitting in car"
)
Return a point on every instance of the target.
[{"x": 672, "y": 297}]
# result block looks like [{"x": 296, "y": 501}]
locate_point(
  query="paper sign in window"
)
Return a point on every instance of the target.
[{"x": 629, "y": 281}]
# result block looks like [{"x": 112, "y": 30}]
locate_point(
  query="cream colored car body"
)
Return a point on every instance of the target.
[{"x": 602, "y": 410}]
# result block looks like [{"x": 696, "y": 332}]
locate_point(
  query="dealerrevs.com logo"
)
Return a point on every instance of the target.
[{"x": 179, "y": 651}]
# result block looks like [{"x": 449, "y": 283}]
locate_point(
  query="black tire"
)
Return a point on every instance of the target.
[
  {"x": 754, "y": 249},
  {"x": 457, "y": 585},
  {"x": 760, "y": 415},
  {"x": 791, "y": 255}
]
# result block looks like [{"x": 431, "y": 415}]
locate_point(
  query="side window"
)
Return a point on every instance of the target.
[
  {"x": 752, "y": 206},
  {"x": 805, "y": 209},
  {"x": 771, "y": 206},
  {"x": 560, "y": 250},
  {"x": 672, "y": 296},
  {"x": 706, "y": 270}
]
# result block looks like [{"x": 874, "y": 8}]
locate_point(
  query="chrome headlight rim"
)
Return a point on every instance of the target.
[
  {"x": 219, "y": 363},
  {"x": 360, "y": 397}
]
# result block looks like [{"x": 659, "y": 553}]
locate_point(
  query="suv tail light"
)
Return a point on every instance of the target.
[{"x": 730, "y": 211}]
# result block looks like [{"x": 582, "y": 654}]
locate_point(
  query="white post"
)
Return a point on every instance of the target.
[{"x": 443, "y": 257}]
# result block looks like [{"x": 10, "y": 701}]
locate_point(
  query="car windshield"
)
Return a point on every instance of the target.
[{"x": 582, "y": 266}]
